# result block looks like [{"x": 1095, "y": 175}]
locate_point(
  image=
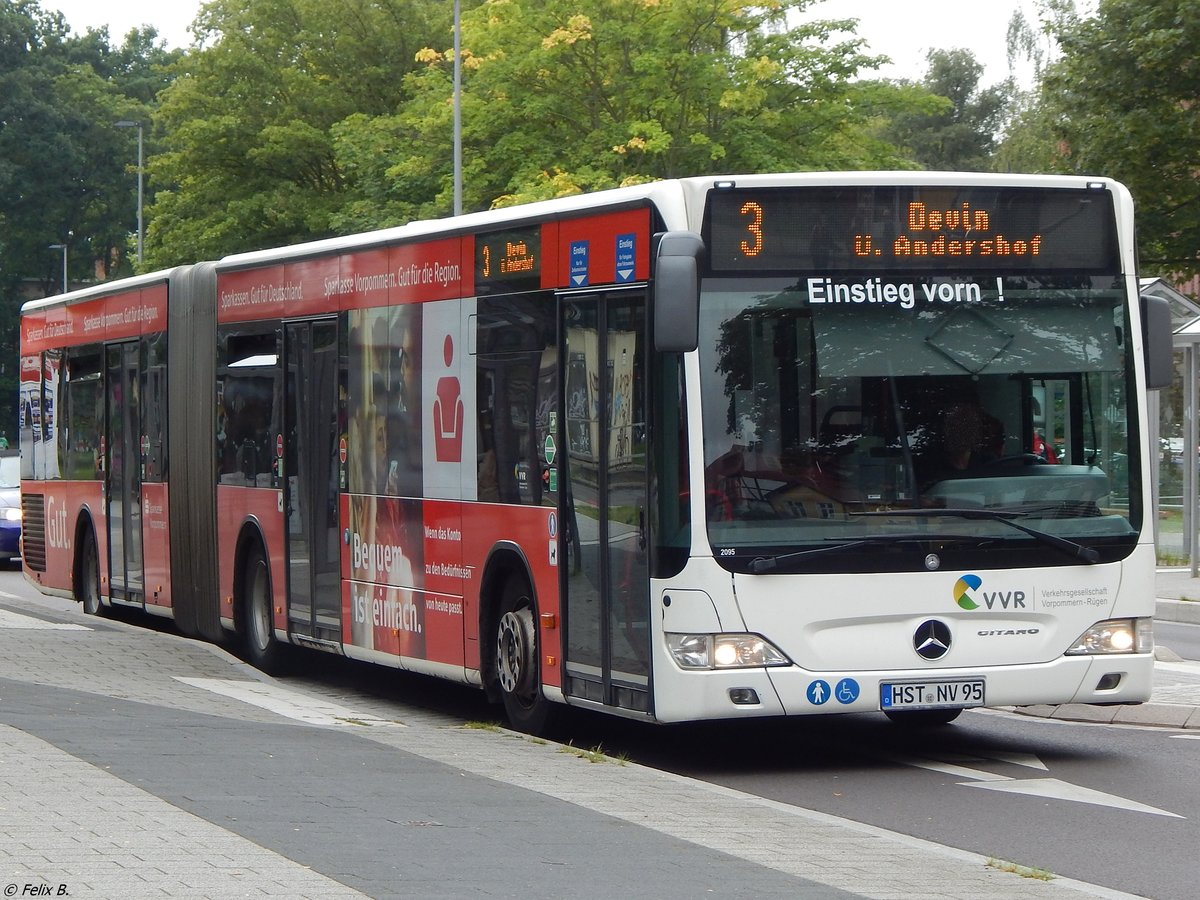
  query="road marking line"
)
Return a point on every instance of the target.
[
  {"x": 17, "y": 620},
  {"x": 945, "y": 768},
  {"x": 1029, "y": 760},
  {"x": 1054, "y": 789},
  {"x": 1050, "y": 788},
  {"x": 291, "y": 704}
]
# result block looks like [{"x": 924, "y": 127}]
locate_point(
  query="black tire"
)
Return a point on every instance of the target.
[
  {"x": 87, "y": 586},
  {"x": 923, "y": 718},
  {"x": 518, "y": 675},
  {"x": 263, "y": 651}
]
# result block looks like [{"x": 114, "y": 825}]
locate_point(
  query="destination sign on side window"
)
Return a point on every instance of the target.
[
  {"x": 508, "y": 261},
  {"x": 910, "y": 228}
]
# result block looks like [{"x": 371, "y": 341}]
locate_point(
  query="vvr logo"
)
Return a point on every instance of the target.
[{"x": 967, "y": 592}]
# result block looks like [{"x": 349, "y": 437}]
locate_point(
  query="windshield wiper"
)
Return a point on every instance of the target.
[
  {"x": 762, "y": 564},
  {"x": 1071, "y": 548}
]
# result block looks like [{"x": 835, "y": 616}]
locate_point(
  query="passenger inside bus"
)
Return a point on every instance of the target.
[{"x": 971, "y": 436}]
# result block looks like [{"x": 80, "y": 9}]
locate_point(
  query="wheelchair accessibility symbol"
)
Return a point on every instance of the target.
[{"x": 846, "y": 690}]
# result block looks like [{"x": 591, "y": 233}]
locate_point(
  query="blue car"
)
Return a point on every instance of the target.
[{"x": 10, "y": 506}]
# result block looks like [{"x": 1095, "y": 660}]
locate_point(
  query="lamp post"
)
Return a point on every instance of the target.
[
  {"x": 63, "y": 248},
  {"x": 458, "y": 186},
  {"x": 126, "y": 123}
]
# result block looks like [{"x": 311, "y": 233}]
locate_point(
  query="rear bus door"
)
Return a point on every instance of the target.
[
  {"x": 123, "y": 480},
  {"x": 310, "y": 459}
]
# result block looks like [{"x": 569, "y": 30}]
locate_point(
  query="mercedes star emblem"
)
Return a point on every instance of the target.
[{"x": 932, "y": 639}]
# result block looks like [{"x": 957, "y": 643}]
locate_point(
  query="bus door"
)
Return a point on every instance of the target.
[
  {"x": 123, "y": 479},
  {"x": 603, "y": 550},
  {"x": 310, "y": 434}
]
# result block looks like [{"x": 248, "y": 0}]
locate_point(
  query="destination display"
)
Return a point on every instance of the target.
[
  {"x": 508, "y": 261},
  {"x": 910, "y": 228}
]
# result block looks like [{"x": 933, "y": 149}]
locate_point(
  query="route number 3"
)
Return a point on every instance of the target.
[{"x": 753, "y": 246}]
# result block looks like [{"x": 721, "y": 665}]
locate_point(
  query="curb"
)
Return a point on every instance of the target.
[
  {"x": 1161, "y": 715},
  {"x": 1185, "y": 611}
]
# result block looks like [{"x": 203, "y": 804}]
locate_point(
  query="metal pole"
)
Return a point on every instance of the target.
[
  {"x": 63, "y": 248},
  {"x": 140, "y": 170},
  {"x": 457, "y": 108},
  {"x": 128, "y": 123},
  {"x": 1189, "y": 462}
]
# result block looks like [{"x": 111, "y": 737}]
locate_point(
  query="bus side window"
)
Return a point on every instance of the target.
[
  {"x": 517, "y": 397},
  {"x": 80, "y": 428},
  {"x": 246, "y": 393}
]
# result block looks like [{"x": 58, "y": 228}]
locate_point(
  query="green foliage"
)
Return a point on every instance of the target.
[
  {"x": 66, "y": 174},
  {"x": 249, "y": 122},
  {"x": 959, "y": 134},
  {"x": 1121, "y": 101},
  {"x": 564, "y": 96}
]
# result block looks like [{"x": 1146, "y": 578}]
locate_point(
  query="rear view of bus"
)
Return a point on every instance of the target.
[{"x": 919, "y": 477}]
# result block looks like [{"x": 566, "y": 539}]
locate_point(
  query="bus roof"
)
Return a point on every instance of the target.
[
  {"x": 680, "y": 201},
  {"x": 103, "y": 289},
  {"x": 666, "y": 195}
]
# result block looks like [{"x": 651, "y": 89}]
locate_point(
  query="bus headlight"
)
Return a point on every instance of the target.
[
  {"x": 11, "y": 513},
  {"x": 724, "y": 651},
  {"x": 1115, "y": 636}
]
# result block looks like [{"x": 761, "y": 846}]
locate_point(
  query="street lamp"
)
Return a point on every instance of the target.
[
  {"x": 458, "y": 177},
  {"x": 126, "y": 123},
  {"x": 63, "y": 248}
]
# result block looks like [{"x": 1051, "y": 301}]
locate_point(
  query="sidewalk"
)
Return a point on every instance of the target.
[{"x": 1176, "y": 699}]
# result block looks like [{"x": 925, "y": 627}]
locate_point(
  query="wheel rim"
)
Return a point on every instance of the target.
[{"x": 514, "y": 652}]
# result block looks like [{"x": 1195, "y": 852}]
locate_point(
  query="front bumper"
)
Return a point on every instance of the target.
[{"x": 684, "y": 696}]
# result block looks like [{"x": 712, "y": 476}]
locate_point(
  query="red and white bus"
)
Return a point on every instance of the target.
[{"x": 700, "y": 449}]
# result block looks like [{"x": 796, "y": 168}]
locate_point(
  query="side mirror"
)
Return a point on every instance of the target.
[
  {"x": 1157, "y": 343},
  {"x": 677, "y": 291}
]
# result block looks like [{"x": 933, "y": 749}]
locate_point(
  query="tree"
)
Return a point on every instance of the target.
[
  {"x": 66, "y": 174},
  {"x": 563, "y": 96},
  {"x": 246, "y": 125},
  {"x": 1121, "y": 101},
  {"x": 961, "y": 134}
]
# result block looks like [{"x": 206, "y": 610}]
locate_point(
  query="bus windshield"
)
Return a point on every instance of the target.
[{"x": 910, "y": 427}]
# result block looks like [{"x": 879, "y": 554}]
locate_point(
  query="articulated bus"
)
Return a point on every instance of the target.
[{"x": 768, "y": 445}]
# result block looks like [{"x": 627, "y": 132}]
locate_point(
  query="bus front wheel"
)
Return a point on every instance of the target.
[{"x": 516, "y": 648}]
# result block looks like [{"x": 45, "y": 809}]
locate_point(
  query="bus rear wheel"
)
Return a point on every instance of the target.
[
  {"x": 517, "y": 672},
  {"x": 923, "y": 718},
  {"x": 87, "y": 589},
  {"x": 258, "y": 630}
]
